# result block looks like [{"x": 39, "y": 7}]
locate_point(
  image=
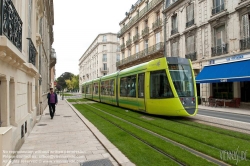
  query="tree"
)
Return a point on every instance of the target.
[
  {"x": 58, "y": 87},
  {"x": 63, "y": 77},
  {"x": 73, "y": 83}
]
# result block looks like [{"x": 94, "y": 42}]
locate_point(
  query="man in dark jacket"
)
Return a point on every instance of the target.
[{"x": 52, "y": 101}]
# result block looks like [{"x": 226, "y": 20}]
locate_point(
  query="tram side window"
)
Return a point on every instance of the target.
[
  {"x": 87, "y": 89},
  {"x": 112, "y": 85},
  {"x": 141, "y": 85},
  {"x": 131, "y": 86},
  {"x": 128, "y": 86},
  {"x": 83, "y": 89},
  {"x": 96, "y": 88},
  {"x": 102, "y": 88},
  {"x": 107, "y": 88},
  {"x": 123, "y": 86},
  {"x": 159, "y": 85}
]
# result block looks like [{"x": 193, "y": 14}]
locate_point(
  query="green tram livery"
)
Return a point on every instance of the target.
[{"x": 164, "y": 86}]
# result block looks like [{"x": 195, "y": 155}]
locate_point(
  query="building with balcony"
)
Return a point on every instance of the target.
[
  {"x": 26, "y": 37},
  {"x": 100, "y": 58},
  {"x": 215, "y": 36},
  {"x": 141, "y": 34}
]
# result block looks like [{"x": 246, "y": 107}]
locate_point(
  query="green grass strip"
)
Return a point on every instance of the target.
[
  {"x": 196, "y": 138},
  {"x": 175, "y": 151},
  {"x": 139, "y": 153},
  {"x": 216, "y": 129}
]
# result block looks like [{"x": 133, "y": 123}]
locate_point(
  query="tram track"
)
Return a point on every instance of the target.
[
  {"x": 138, "y": 138},
  {"x": 193, "y": 151},
  {"x": 181, "y": 122}
]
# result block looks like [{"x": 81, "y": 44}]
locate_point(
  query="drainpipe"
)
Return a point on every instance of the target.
[{"x": 165, "y": 35}]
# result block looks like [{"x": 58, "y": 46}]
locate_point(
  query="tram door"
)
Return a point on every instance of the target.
[{"x": 141, "y": 92}]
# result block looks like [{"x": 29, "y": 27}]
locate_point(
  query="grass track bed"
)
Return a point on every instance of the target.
[
  {"x": 218, "y": 130},
  {"x": 206, "y": 141},
  {"x": 180, "y": 154},
  {"x": 136, "y": 151}
]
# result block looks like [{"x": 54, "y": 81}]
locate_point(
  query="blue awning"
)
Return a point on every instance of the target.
[{"x": 227, "y": 72}]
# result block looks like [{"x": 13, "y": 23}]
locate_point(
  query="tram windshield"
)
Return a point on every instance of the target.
[{"x": 182, "y": 79}]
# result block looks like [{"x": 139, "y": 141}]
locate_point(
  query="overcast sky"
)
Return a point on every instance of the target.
[{"x": 78, "y": 22}]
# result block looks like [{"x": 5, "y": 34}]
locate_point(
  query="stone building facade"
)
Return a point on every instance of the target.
[
  {"x": 213, "y": 34},
  {"x": 100, "y": 58},
  {"x": 26, "y": 37},
  {"x": 141, "y": 34}
]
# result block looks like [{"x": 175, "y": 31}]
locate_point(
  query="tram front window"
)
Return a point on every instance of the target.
[{"x": 182, "y": 79}]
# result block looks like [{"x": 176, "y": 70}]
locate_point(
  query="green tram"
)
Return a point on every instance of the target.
[{"x": 164, "y": 86}]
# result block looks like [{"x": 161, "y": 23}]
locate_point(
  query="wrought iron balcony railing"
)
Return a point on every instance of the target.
[
  {"x": 148, "y": 51},
  {"x": 218, "y": 9},
  {"x": 122, "y": 46},
  {"x": 174, "y": 31},
  {"x": 128, "y": 42},
  {"x": 102, "y": 69},
  {"x": 245, "y": 44},
  {"x": 136, "y": 37},
  {"x": 191, "y": 56},
  {"x": 190, "y": 23},
  {"x": 11, "y": 23},
  {"x": 219, "y": 50},
  {"x": 142, "y": 13},
  {"x": 145, "y": 32},
  {"x": 32, "y": 52},
  {"x": 157, "y": 24},
  {"x": 53, "y": 54},
  {"x": 169, "y": 3}
]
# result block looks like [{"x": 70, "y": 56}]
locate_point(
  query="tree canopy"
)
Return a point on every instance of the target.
[{"x": 69, "y": 81}]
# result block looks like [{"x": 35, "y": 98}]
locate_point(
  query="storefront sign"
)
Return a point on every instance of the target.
[
  {"x": 236, "y": 57},
  {"x": 223, "y": 80},
  {"x": 230, "y": 59}
]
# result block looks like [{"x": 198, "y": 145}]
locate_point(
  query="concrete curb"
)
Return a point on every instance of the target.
[
  {"x": 226, "y": 109},
  {"x": 114, "y": 152}
]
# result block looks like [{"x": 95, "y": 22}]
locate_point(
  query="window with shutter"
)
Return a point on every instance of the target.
[
  {"x": 175, "y": 49},
  {"x": 190, "y": 45},
  {"x": 245, "y": 26},
  {"x": 136, "y": 48},
  {"x": 220, "y": 36}
]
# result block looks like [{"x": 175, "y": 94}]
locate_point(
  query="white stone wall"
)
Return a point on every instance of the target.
[
  {"x": 20, "y": 92},
  {"x": 151, "y": 18},
  {"x": 91, "y": 61}
]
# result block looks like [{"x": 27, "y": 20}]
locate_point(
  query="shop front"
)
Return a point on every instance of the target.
[{"x": 228, "y": 79}]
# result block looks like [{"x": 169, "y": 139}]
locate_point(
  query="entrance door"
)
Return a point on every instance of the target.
[
  {"x": 141, "y": 92},
  {"x": 245, "y": 88}
]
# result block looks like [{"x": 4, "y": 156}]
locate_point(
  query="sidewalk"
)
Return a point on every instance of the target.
[
  {"x": 65, "y": 140},
  {"x": 226, "y": 109}
]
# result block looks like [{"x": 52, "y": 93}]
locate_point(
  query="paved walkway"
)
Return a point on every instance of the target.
[{"x": 66, "y": 141}]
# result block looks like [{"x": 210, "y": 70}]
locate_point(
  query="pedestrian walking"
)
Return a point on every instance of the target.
[{"x": 52, "y": 101}]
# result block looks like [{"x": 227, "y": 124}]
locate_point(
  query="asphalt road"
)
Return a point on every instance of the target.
[{"x": 225, "y": 115}]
